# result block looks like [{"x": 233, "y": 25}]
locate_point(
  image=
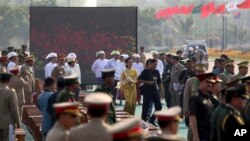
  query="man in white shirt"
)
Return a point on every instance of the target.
[
  {"x": 116, "y": 64},
  {"x": 74, "y": 68},
  {"x": 160, "y": 66},
  {"x": 13, "y": 60},
  {"x": 99, "y": 65},
  {"x": 50, "y": 66},
  {"x": 137, "y": 64}
]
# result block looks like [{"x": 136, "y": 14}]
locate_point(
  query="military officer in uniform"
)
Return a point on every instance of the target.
[
  {"x": 28, "y": 74},
  {"x": 174, "y": 80},
  {"x": 246, "y": 112},
  {"x": 9, "y": 113},
  {"x": 230, "y": 116},
  {"x": 128, "y": 130},
  {"x": 59, "y": 70},
  {"x": 108, "y": 82},
  {"x": 228, "y": 72},
  {"x": 191, "y": 87},
  {"x": 71, "y": 87},
  {"x": 66, "y": 113},
  {"x": 52, "y": 57},
  {"x": 22, "y": 55},
  {"x": 97, "y": 128},
  {"x": 168, "y": 121},
  {"x": 201, "y": 109},
  {"x": 18, "y": 83},
  {"x": 166, "y": 79},
  {"x": 243, "y": 70},
  {"x": 3, "y": 63}
]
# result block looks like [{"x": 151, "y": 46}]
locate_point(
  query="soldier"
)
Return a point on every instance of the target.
[
  {"x": 166, "y": 80},
  {"x": 108, "y": 82},
  {"x": 96, "y": 129},
  {"x": 8, "y": 107},
  {"x": 168, "y": 121},
  {"x": 215, "y": 91},
  {"x": 243, "y": 70},
  {"x": 174, "y": 80},
  {"x": 230, "y": 116},
  {"x": 228, "y": 72},
  {"x": 13, "y": 60},
  {"x": 59, "y": 70},
  {"x": 3, "y": 63},
  {"x": 191, "y": 87},
  {"x": 128, "y": 130},
  {"x": 246, "y": 112},
  {"x": 71, "y": 87},
  {"x": 52, "y": 57},
  {"x": 218, "y": 66},
  {"x": 22, "y": 55},
  {"x": 18, "y": 83},
  {"x": 43, "y": 98},
  {"x": 28, "y": 74},
  {"x": 201, "y": 108},
  {"x": 188, "y": 72},
  {"x": 99, "y": 65},
  {"x": 116, "y": 64},
  {"x": 66, "y": 113}
]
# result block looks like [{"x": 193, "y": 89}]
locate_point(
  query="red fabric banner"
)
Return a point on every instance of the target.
[
  {"x": 207, "y": 9},
  {"x": 220, "y": 9},
  {"x": 244, "y": 5}
]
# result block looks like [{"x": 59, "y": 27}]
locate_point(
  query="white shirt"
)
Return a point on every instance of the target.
[
  {"x": 139, "y": 67},
  {"x": 49, "y": 68},
  {"x": 160, "y": 66},
  {"x": 98, "y": 66},
  {"x": 73, "y": 70},
  {"x": 11, "y": 64},
  {"x": 117, "y": 65},
  {"x": 123, "y": 66}
]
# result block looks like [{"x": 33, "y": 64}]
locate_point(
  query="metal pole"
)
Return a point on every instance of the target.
[{"x": 223, "y": 32}]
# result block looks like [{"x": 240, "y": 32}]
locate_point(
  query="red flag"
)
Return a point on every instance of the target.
[
  {"x": 189, "y": 9},
  {"x": 207, "y": 9},
  {"x": 164, "y": 13},
  {"x": 220, "y": 9},
  {"x": 185, "y": 9},
  {"x": 175, "y": 10},
  {"x": 244, "y": 5}
]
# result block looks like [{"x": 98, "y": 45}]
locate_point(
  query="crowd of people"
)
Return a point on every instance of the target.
[{"x": 212, "y": 103}]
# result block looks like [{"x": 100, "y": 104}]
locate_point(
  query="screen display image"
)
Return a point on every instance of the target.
[{"x": 82, "y": 30}]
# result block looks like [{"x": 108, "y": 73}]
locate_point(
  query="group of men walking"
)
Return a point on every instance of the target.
[{"x": 213, "y": 104}]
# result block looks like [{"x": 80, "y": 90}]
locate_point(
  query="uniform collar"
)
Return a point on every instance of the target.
[
  {"x": 234, "y": 109},
  {"x": 60, "y": 126}
]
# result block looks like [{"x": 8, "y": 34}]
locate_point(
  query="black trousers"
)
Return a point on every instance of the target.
[
  {"x": 114, "y": 91},
  {"x": 150, "y": 98},
  {"x": 167, "y": 95}
]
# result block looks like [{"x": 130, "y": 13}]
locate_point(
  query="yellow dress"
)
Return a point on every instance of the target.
[{"x": 128, "y": 86}]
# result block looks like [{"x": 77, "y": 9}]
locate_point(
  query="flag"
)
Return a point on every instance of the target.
[
  {"x": 165, "y": 13},
  {"x": 244, "y": 5},
  {"x": 231, "y": 6},
  {"x": 236, "y": 15},
  {"x": 220, "y": 9},
  {"x": 175, "y": 10},
  {"x": 189, "y": 9},
  {"x": 197, "y": 9},
  {"x": 207, "y": 9}
]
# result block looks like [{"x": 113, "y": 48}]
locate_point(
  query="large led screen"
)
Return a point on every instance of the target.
[{"x": 83, "y": 30}]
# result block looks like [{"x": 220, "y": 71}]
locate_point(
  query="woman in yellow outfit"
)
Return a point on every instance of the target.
[{"x": 128, "y": 86}]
